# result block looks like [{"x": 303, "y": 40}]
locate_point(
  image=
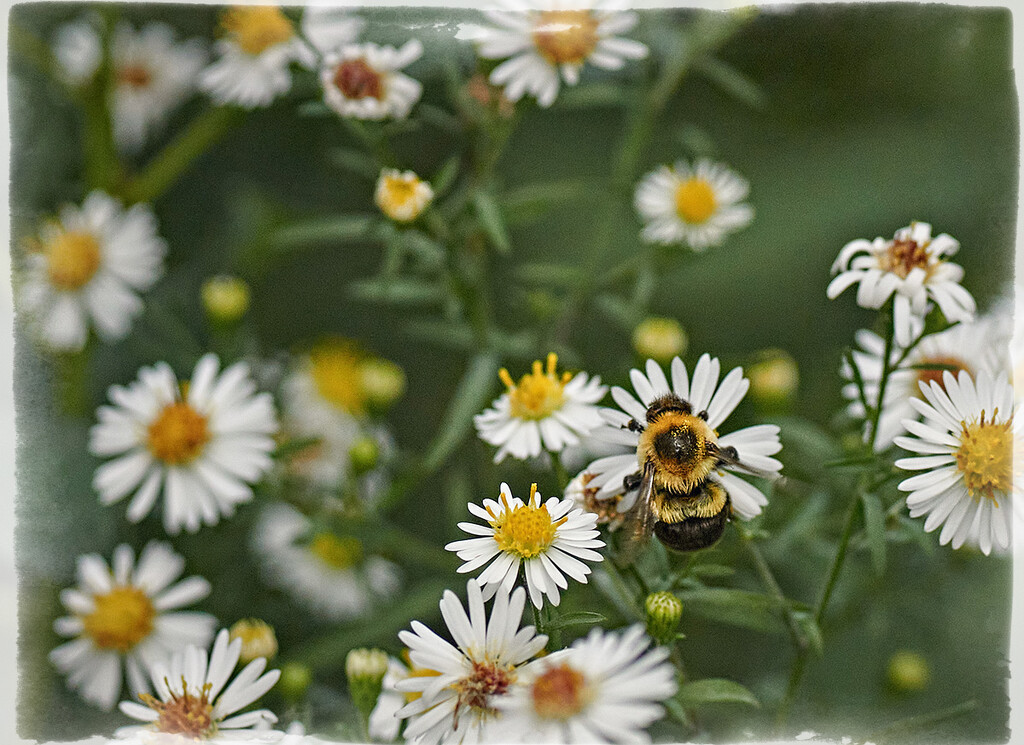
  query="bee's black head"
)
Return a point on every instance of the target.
[{"x": 665, "y": 404}]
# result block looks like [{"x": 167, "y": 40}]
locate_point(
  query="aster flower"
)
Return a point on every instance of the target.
[
  {"x": 78, "y": 50},
  {"x": 697, "y": 205},
  {"x": 86, "y": 270},
  {"x": 125, "y": 617},
  {"x": 912, "y": 268},
  {"x": 402, "y": 196},
  {"x": 541, "y": 48},
  {"x": 458, "y": 702},
  {"x": 966, "y": 447},
  {"x": 363, "y": 81},
  {"x": 543, "y": 408},
  {"x": 548, "y": 539},
  {"x": 605, "y": 688},
  {"x": 201, "y": 445},
  {"x": 194, "y": 702},
  {"x": 754, "y": 445}
]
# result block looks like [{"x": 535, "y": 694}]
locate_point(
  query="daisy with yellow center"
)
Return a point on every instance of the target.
[
  {"x": 402, "y": 196},
  {"x": 966, "y": 446},
  {"x": 202, "y": 444},
  {"x": 698, "y": 204},
  {"x": 544, "y": 410},
  {"x": 365, "y": 81},
  {"x": 549, "y": 540},
  {"x": 122, "y": 619}
]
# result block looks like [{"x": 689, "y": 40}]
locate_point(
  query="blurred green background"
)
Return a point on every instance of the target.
[{"x": 872, "y": 116}]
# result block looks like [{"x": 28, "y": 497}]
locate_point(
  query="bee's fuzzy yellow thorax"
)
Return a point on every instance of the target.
[{"x": 683, "y": 471}]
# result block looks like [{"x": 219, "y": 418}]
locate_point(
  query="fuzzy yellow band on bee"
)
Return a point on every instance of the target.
[{"x": 707, "y": 501}]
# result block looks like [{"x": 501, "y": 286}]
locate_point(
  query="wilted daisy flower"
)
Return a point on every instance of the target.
[
  {"x": 193, "y": 700},
  {"x": 548, "y": 539},
  {"x": 605, "y": 688},
  {"x": 542, "y": 408},
  {"x": 86, "y": 269},
  {"x": 458, "y": 703},
  {"x": 402, "y": 196},
  {"x": 363, "y": 80},
  {"x": 330, "y": 573},
  {"x": 754, "y": 445},
  {"x": 966, "y": 445},
  {"x": 913, "y": 269},
  {"x": 547, "y": 46},
  {"x": 697, "y": 205},
  {"x": 201, "y": 443},
  {"x": 122, "y": 617}
]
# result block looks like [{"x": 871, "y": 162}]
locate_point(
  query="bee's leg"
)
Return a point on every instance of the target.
[
  {"x": 632, "y": 481},
  {"x": 703, "y": 414},
  {"x": 633, "y": 426},
  {"x": 731, "y": 453}
]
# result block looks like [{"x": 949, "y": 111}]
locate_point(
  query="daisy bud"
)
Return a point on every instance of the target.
[
  {"x": 365, "y": 669},
  {"x": 659, "y": 339},
  {"x": 382, "y": 382},
  {"x": 908, "y": 672},
  {"x": 402, "y": 196},
  {"x": 258, "y": 639},
  {"x": 294, "y": 681},
  {"x": 773, "y": 379},
  {"x": 363, "y": 455},
  {"x": 225, "y": 298},
  {"x": 663, "y": 610}
]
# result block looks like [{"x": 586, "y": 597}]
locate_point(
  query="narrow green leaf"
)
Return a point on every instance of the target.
[
  {"x": 854, "y": 460},
  {"x": 742, "y": 608},
  {"x": 732, "y": 81},
  {"x": 811, "y": 631},
  {"x": 356, "y": 161},
  {"x": 555, "y": 275},
  {"x": 577, "y": 618},
  {"x": 314, "y": 108},
  {"x": 676, "y": 710},
  {"x": 491, "y": 221},
  {"x": 874, "y": 529},
  {"x": 712, "y": 571},
  {"x": 334, "y": 229},
  {"x": 592, "y": 95},
  {"x": 617, "y": 310},
  {"x": 715, "y": 691},
  {"x": 934, "y": 366},
  {"x": 526, "y": 203},
  {"x": 435, "y": 116},
  {"x": 429, "y": 252},
  {"x": 445, "y": 176},
  {"x": 288, "y": 448},
  {"x": 398, "y": 291}
]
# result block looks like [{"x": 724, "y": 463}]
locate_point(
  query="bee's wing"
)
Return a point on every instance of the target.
[
  {"x": 739, "y": 465},
  {"x": 641, "y": 518}
]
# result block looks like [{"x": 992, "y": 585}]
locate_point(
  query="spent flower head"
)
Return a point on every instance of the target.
[{"x": 258, "y": 639}]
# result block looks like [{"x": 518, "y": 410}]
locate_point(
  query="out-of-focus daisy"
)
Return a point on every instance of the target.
[
  {"x": 584, "y": 495},
  {"x": 329, "y": 573},
  {"x": 124, "y": 616},
  {"x": 363, "y": 81},
  {"x": 544, "y": 47},
  {"x": 202, "y": 444},
  {"x": 195, "y": 700},
  {"x": 980, "y": 345},
  {"x": 542, "y": 409},
  {"x": 966, "y": 446},
  {"x": 86, "y": 268},
  {"x": 548, "y": 539},
  {"x": 697, "y": 205},
  {"x": 913, "y": 268},
  {"x": 605, "y": 688},
  {"x": 754, "y": 445},
  {"x": 458, "y": 703},
  {"x": 384, "y": 723},
  {"x": 402, "y": 196},
  {"x": 78, "y": 51}
]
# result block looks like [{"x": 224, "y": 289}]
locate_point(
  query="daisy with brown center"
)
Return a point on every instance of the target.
[
  {"x": 122, "y": 618},
  {"x": 912, "y": 268},
  {"x": 402, "y": 196},
  {"x": 364, "y": 81},
  {"x": 86, "y": 268},
  {"x": 547, "y": 539},
  {"x": 458, "y": 702},
  {"x": 542, "y": 411},
  {"x": 202, "y": 444},
  {"x": 698, "y": 205},
  {"x": 195, "y": 701},
  {"x": 966, "y": 445}
]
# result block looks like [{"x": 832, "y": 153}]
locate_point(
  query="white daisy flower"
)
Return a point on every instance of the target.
[
  {"x": 977, "y": 346},
  {"x": 605, "y": 688},
  {"x": 363, "y": 81},
  {"x": 458, "y": 703},
  {"x": 384, "y": 724},
  {"x": 754, "y": 445},
  {"x": 122, "y": 618},
  {"x": 87, "y": 268},
  {"x": 697, "y": 205},
  {"x": 202, "y": 444},
  {"x": 402, "y": 196},
  {"x": 913, "y": 269},
  {"x": 194, "y": 703},
  {"x": 967, "y": 445},
  {"x": 548, "y": 539},
  {"x": 328, "y": 573},
  {"x": 543, "y": 410},
  {"x": 78, "y": 50},
  {"x": 545, "y": 47}
]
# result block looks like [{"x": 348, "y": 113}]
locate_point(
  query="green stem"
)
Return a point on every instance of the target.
[
  {"x": 103, "y": 169},
  {"x": 561, "y": 475},
  {"x": 72, "y": 370},
  {"x": 923, "y": 721},
  {"x": 772, "y": 585}
]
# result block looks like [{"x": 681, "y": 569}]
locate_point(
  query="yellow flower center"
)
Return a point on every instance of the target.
[
  {"x": 985, "y": 456},
  {"x": 336, "y": 367},
  {"x": 695, "y": 201},
  {"x": 185, "y": 714},
  {"x": 72, "y": 258},
  {"x": 565, "y": 36},
  {"x": 538, "y": 393},
  {"x": 337, "y": 552},
  {"x": 903, "y": 256},
  {"x": 178, "y": 434},
  {"x": 526, "y": 530},
  {"x": 256, "y": 28},
  {"x": 560, "y": 693},
  {"x": 121, "y": 619}
]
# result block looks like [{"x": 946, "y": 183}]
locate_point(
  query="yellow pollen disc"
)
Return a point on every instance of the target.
[
  {"x": 178, "y": 434},
  {"x": 538, "y": 393},
  {"x": 337, "y": 552},
  {"x": 695, "y": 201},
  {"x": 336, "y": 367},
  {"x": 72, "y": 259},
  {"x": 121, "y": 619},
  {"x": 985, "y": 457},
  {"x": 527, "y": 530},
  {"x": 903, "y": 256},
  {"x": 560, "y": 693},
  {"x": 185, "y": 714},
  {"x": 565, "y": 36},
  {"x": 256, "y": 28}
]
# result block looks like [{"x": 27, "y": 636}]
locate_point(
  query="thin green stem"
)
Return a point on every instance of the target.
[
  {"x": 764, "y": 571},
  {"x": 561, "y": 475}
]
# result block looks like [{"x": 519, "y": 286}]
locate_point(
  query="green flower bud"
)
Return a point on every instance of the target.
[
  {"x": 908, "y": 672},
  {"x": 659, "y": 339},
  {"x": 294, "y": 681},
  {"x": 773, "y": 379},
  {"x": 363, "y": 455},
  {"x": 225, "y": 298},
  {"x": 365, "y": 669},
  {"x": 382, "y": 383},
  {"x": 663, "y": 611},
  {"x": 258, "y": 639}
]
